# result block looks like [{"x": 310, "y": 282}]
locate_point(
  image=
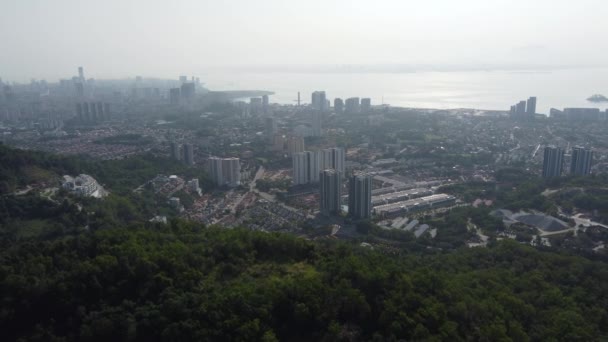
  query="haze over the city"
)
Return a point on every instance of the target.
[{"x": 47, "y": 39}]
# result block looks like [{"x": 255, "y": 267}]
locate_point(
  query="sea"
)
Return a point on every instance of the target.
[{"x": 488, "y": 89}]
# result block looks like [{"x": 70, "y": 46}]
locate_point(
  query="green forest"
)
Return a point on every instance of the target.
[
  {"x": 182, "y": 282},
  {"x": 96, "y": 270}
]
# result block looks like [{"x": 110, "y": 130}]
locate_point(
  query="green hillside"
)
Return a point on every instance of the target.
[
  {"x": 183, "y": 282},
  {"x": 97, "y": 270}
]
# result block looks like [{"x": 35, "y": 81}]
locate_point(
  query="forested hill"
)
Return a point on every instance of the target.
[
  {"x": 184, "y": 282},
  {"x": 20, "y": 168},
  {"x": 74, "y": 269}
]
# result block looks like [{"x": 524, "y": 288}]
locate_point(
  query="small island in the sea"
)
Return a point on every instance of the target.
[{"x": 598, "y": 98}]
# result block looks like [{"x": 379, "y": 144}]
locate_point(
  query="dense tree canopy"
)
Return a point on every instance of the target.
[
  {"x": 81, "y": 269},
  {"x": 181, "y": 282}
]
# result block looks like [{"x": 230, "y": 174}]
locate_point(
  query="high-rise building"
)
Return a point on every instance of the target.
[
  {"x": 194, "y": 186},
  {"x": 332, "y": 158},
  {"x": 174, "y": 95},
  {"x": 580, "y": 164},
  {"x": 360, "y": 196},
  {"x": 188, "y": 154},
  {"x": 352, "y": 105},
  {"x": 338, "y": 105},
  {"x": 366, "y": 104},
  {"x": 175, "y": 151},
  {"x": 81, "y": 73},
  {"x": 295, "y": 145},
  {"x": 100, "y": 110},
  {"x": 521, "y": 108},
  {"x": 255, "y": 105},
  {"x": 553, "y": 162},
  {"x": 79, "y": 89},
  {"x": 187, "y": 91},
  {"x": 231, "y": 169},
  {"x": 330, "y": 191},
  {"x": 531, "y": 106},
  {"x": 225, "y": 171},
  {"x": 215, "y": 170},
  {"x": 106, "y": 110},
  {"x": 265, "y": 103},
  {"x": 270, "y": 128},
  {"x": 86, "y": 111},
  {"x": 319, "y": 101},
  {"x": 79, "y": 111},
  {"x": 278, "y": 143},
  {"x": 305, "y": 168},
  {"x": 183, "y": 79},
  {"x": 316, "y": 128}
]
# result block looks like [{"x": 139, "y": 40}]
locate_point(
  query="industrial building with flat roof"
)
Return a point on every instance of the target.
[
  {"x": 400, "y": 196},
  {"x": 413, "y": 205}
]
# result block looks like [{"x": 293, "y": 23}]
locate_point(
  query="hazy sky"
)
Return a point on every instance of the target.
[{"x": 119, "y": 38}]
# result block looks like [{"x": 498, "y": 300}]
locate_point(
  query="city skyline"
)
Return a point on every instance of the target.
[{"x": 147, "y": 38}]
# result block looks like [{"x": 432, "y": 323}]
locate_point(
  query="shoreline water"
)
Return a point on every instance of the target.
[{"x": 491, "y": 90}]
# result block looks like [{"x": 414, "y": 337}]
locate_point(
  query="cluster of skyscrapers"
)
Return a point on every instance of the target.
[
  {"x": 319, "y": 102},
  {"x": 326, "y": 167},
  {"x": 290, "y": 144},
  {"x": 308, "y": 164},
  {"x": 92, "y": 111},
  {"x": 188, "y": 153},
  {"x": 581, "y": 161},
  {"x": 225, "y": 171},
  {"x": 524, "y": 109},
  {"x": 185, "y": 93},
  {"x": 359, "y": 194}
]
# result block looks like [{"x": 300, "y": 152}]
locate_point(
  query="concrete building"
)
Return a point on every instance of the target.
[
  {"x": 414, "y": 205},
  {"x": 188, "y": 154},
  {"x": 330, "y": 192},
  {"x": 265, "y": 103},
  {"x": 175, "y": 154},
  {"x": 255, "y": 105},
  {"x": 531, "y": 106},
  {"x": 582, "y": 114},
  {"x": 316, "y": 118},
  {"x": 81, "y": 74},
  {"x": 82, "y": 185},
  {"x": 278, "y": 143},
  {"x": 332, "y": 158},
  {"x": 553, "y": 162},
  {"x": 225, "y": 171},
  {"x": 400, "y": 196},
  {"x": 174, "y": 95},
  {"x": 360, "y": 196},
  {"x": 270, "y": 128},
  {"x": 214, "y": 165},
  {"x": 193, "y": 186},
  {"x": 187, "y": 91},
  {"x": 582, "y": 159},
  {"x": 352, "y": 105},
  {"x": 338, "y": 105},
  {"x": 557, "y": 114},
  {"x": 319, "y": 101},
  {"x": 295, "y": 145},
  {"x": 521, "y": 109},
  {"x": 366, "y": 104},
  {"x": 305, "y": 168}
]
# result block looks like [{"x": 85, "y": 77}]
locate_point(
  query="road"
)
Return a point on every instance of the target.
[{"x": 257, "y": 176}]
